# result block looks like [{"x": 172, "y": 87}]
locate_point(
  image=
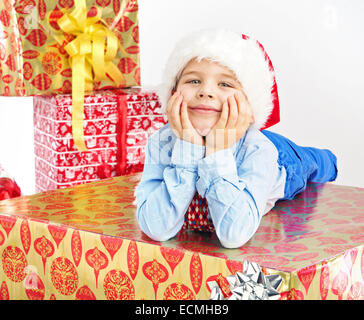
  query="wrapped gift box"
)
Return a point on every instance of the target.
[
  {"x": 84, "y": 243},
  {"x": 117, "y": 124},
  {"x": 33, "y": 59}
]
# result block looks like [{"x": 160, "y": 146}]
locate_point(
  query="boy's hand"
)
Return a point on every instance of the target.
[
  {"x": 236, "y": 117},
  {"x": 179, "y": 121}
]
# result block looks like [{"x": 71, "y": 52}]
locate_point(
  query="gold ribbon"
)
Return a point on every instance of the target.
[{"x": 91, "y": 53}]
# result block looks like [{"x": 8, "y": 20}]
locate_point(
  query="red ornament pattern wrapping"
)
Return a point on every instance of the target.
[
  {"x": 76, "y": 247},
  {"x": 306, "y": 276},
  {"x": 85, "y": 293},
  {"x": 57, "y": 232},
  {"x": 117, "y": 125},
  {"x": 33, "y": 58},
  {"x": 133, "y": 259},
  {"x": 112, "y": 245},
  {"x": 156, "y": 273},
  {"x": 4, "y": 292},
  {"x": 25, "y": 236},
  {"x": 172, "y": 256},
  {"x": 196, "y": 273},
  {"x": 64, "y": 276},
  {"x": 84, "y": 243},
  {"x": 8, "y": 224},
  {"x": 14, "y": 263},
  {"x": 118, "y": 286},
  {"x": 178, "y": 291},
  {"x": 44, "y": 248},
  {"x": 97, "y": 260}
]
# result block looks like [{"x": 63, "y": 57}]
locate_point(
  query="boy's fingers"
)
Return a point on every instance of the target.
[
  {"x": 187, "y": 128},
  {"x": 221, "y": 123},
  {"x": 171, "y": 101},
  {"x": 174, "y": 116},
  {"x": 245, "y": 117},
  {"x": 185, "y": 121},
  {"x": 242, "y": 102},
  {"x": 233, "y": 112}
]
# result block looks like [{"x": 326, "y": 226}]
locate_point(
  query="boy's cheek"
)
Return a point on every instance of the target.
[{"x": 185, "y": 91}]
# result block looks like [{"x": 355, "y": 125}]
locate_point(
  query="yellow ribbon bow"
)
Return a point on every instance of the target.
[{"x": 93, "y": 49}]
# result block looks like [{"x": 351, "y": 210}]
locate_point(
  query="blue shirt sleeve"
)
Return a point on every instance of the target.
[{"x": 167, "y": 186}]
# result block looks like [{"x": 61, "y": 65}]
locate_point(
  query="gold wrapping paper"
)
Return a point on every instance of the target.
[
  {"x": 84, "y": 243},
  {"x": 33, "y": 49}
]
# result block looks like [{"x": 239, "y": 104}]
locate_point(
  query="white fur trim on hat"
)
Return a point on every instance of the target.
[{"x": 243, "y": 56}]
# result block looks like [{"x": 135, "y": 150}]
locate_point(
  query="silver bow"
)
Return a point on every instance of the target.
[{"x": 251, "y": 284}]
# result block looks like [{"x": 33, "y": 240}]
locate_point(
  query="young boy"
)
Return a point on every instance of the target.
[{"x": 217, "y": 93}]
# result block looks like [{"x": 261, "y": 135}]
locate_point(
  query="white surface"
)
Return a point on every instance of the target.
[
  {"x": 16, "y": 141},
  {"x": 317, "y": 51}
]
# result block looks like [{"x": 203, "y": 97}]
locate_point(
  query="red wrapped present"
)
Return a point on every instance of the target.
[{"x": 116, "y": 126}]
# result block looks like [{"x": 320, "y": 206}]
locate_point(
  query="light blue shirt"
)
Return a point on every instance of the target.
[{"x": 241, "y": 184}]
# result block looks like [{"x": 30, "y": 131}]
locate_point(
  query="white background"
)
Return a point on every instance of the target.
[{"x": 317, "y": 51}]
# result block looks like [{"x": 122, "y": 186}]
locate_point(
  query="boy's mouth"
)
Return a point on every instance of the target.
[{"x": 204, "y": 109}]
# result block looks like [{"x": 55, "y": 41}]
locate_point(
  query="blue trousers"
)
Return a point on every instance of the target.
[{"x": 302, "y": 164}]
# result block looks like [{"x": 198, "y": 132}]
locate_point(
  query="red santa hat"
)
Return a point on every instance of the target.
[{"x": 243, "y": 55}]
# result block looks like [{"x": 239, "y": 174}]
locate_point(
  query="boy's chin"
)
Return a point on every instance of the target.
[{"x": 203, "y": 131}]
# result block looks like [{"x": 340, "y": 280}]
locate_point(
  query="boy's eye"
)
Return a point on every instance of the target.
[
  {"x": 194, "y": 81},
  {"x": 225, "y": 84}
]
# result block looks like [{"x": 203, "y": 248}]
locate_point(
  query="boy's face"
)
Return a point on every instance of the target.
[{"x": 205, "y": 86}]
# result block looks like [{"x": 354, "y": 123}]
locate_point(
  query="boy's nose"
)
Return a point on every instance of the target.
[
  {"x": 202, "y": 95},
  {"x": 205, "y": 93}
]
